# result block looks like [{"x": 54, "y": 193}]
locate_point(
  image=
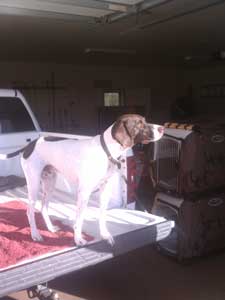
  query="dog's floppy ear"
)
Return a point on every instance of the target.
[{"x": 123, "y": 131}]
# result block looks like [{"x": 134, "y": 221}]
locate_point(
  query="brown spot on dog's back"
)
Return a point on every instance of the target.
[
  {"x": 54, "y": 138},
  {"x": 31, "y": 146},
  {"x": 29, "y": 149}
]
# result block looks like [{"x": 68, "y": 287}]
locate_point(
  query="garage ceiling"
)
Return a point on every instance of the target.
[{"x": 134, "y": 32}]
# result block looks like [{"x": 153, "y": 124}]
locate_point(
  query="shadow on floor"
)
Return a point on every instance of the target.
[{"x": 146, "y": 274}]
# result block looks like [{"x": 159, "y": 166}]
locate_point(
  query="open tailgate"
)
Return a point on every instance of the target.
[{"x": 131, "y": 230}]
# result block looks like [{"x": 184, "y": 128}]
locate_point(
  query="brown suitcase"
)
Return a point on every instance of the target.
[{"x": 200, "y": 223}]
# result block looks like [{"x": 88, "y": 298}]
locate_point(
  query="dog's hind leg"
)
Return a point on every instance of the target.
[
  {"x": 48, "y": 179},
  {"x": 82, "y": 201},
  {"x": 32, "y": 174}
]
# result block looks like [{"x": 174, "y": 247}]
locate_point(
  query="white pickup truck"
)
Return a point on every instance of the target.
[{"x": 131, "y": 228}]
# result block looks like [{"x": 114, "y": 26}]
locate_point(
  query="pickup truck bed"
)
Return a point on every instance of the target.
[{"x": 131, "y": 229}]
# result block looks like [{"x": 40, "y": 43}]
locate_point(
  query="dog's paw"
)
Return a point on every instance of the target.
[
  {"x": 54, "y": 229},
  {"x": 36, "y": 237},
  {"x": 80, "y": 241},
  {"x": 109, "y": 238}
]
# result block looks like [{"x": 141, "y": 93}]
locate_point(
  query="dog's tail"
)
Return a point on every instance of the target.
[{"x": 10, "y": 155}]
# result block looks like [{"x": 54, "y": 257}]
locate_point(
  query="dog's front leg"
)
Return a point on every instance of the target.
[
  {"x": 82, "y": 201},
  {"x": 105, "y": 192}
]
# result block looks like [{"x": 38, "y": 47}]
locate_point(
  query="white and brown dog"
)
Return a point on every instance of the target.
[{"x": 88, "y": 163}]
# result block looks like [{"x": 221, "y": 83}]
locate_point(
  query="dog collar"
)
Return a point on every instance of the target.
[{"x": 105, "y": 148}]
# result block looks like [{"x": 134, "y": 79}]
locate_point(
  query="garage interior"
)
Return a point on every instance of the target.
[{"x": 67, "y": 56}]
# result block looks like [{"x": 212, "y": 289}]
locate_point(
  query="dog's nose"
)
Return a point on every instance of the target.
[{"x": 161, "y": 129}]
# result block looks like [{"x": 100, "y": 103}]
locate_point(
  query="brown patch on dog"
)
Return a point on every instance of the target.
[
  {"x": 29, "y": 149},
  {"x": 131, "y": 129},
  {"x": 54, "y": 139}
]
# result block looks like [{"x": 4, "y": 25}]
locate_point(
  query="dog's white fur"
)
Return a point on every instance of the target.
[{"x": 83, "y": 162}]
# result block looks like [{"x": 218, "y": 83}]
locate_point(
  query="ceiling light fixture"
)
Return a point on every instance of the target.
[{"x": 110, "y": 51}]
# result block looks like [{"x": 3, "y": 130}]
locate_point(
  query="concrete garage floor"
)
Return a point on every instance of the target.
[{"x": 144, "y": 274}]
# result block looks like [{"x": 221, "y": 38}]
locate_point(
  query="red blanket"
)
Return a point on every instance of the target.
[{"x": 16, "y": 243}]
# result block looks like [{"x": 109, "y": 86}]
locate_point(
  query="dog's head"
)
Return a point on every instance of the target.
[{"x": 131, "y": 129}]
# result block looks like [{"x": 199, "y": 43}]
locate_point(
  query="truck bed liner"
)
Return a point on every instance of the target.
[{"x": 131, "y": 230}]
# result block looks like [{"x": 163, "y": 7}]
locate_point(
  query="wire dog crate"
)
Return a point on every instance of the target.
[
  {"x": 167, "y": 158},
  {"x": 189, "y": 161}
]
